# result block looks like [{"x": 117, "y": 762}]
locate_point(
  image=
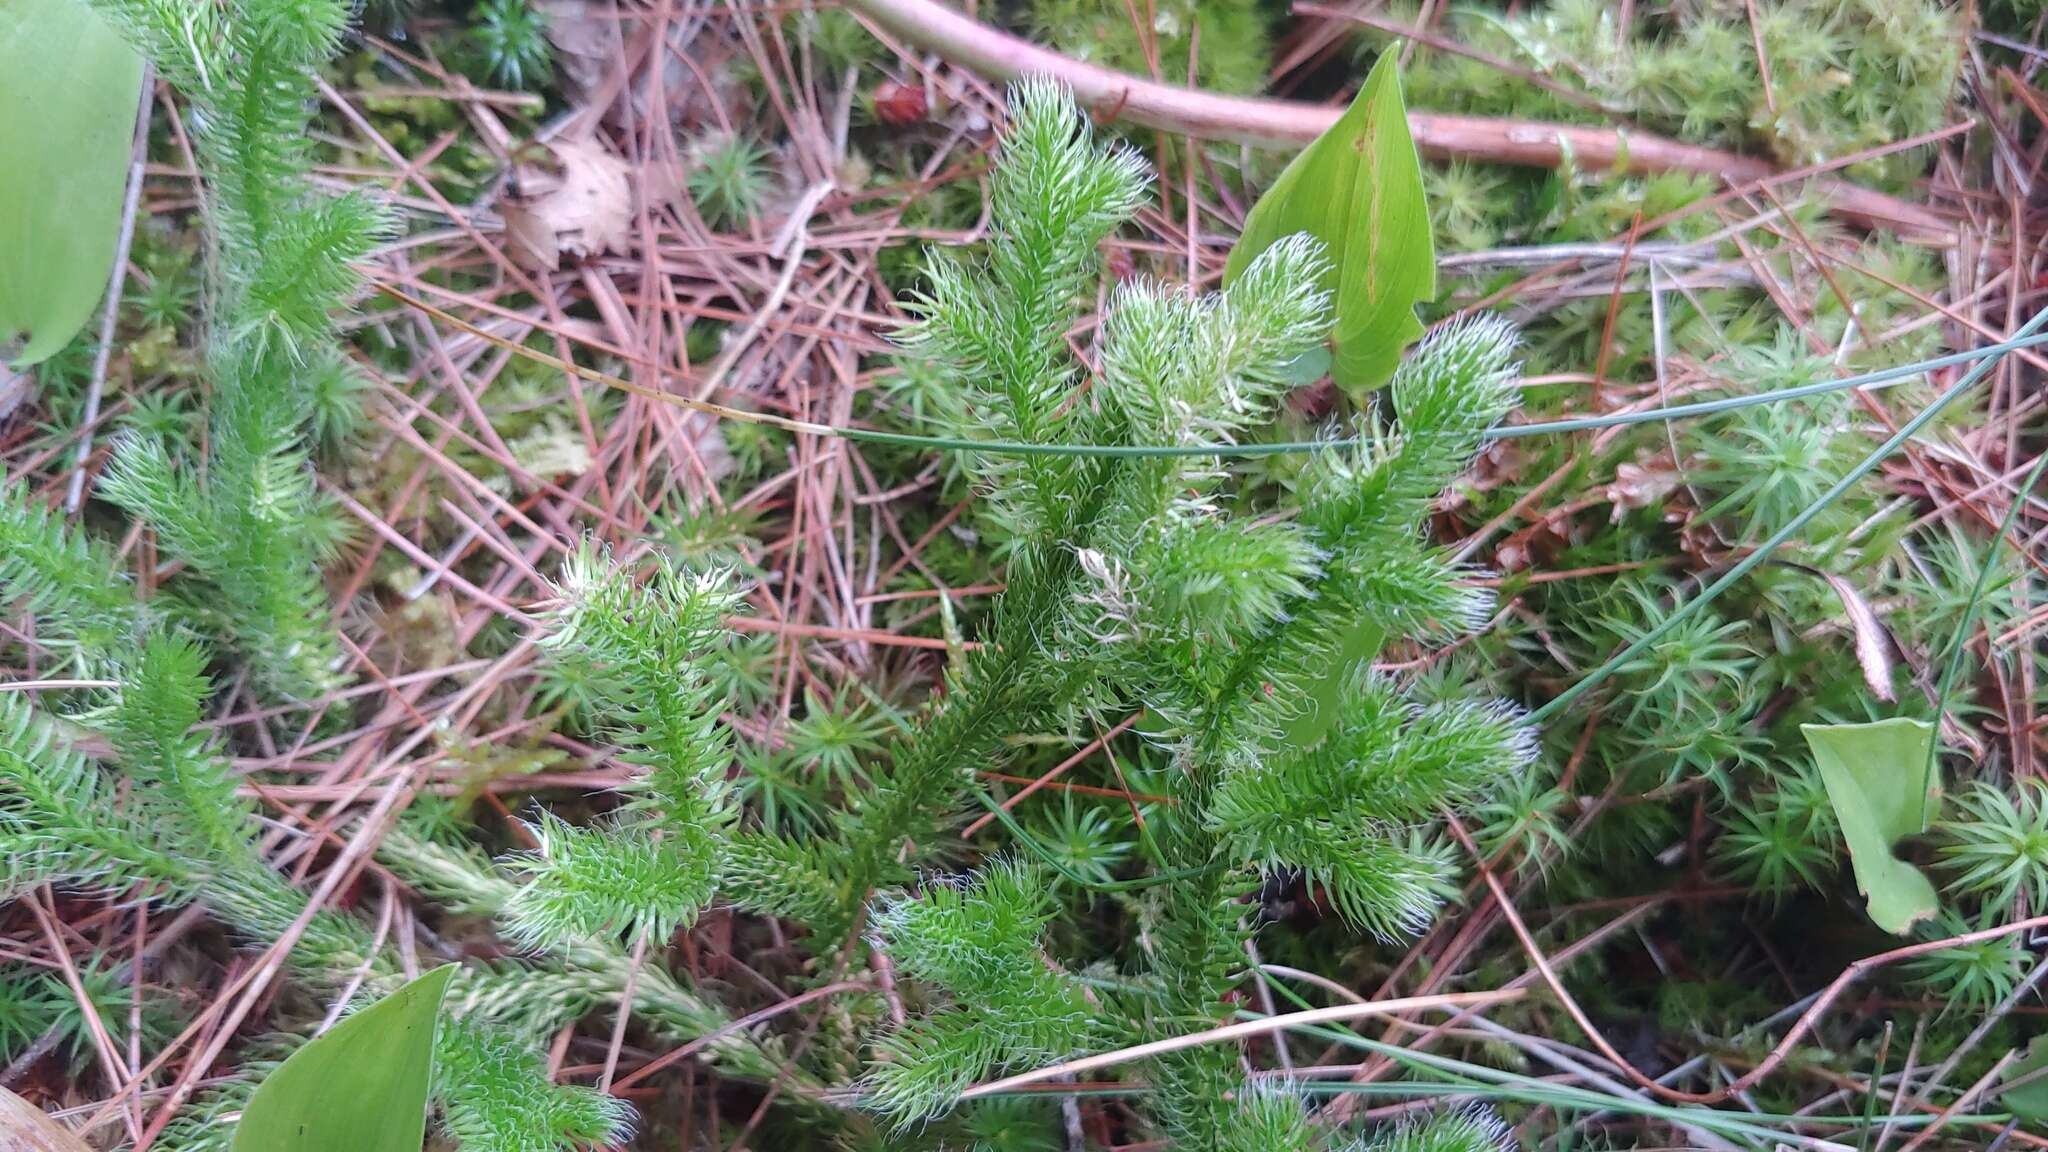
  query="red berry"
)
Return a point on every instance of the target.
[{"x": 900, "y": 104}]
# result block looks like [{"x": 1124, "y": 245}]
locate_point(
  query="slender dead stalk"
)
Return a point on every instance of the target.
[
  {"x": 110, "y": 309},
  {"x": 1250, "y": 120},
  {"x": 1333, "y": 1014}
]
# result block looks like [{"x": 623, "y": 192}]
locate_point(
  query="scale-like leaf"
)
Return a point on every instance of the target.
[
  {"x": 1878, "y": 782},
  {"x": 361, "y": 1087},
  {"x": 1358, "y": 189},
  {"x": 69, "y": 86}
]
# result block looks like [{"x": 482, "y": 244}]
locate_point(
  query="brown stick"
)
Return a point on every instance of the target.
[{"x": 1251, "y": 120}]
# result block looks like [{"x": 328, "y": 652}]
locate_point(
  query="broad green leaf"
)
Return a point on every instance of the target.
[
  {"x": 361, "y": 1087},
  {"x": 1323, "y": 683},
  {"x": 1882, "y": 791},
  {"x": 1358, "y": 189},
  {"x": 2028, "y": 1101},
  {"x": 68, "y": 91}
]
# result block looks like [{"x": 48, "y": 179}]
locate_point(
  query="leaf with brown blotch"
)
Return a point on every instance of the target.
[{"x": 1358, "y": 189}]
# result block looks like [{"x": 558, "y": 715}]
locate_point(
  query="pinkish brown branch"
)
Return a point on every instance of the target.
[{"x": 1526, "y": 143}]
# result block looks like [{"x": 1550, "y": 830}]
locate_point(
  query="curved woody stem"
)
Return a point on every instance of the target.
[{"x": 1252, "y": 120}]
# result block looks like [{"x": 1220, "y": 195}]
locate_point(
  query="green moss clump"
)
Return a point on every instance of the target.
[{"x": 1231, "y": 39}]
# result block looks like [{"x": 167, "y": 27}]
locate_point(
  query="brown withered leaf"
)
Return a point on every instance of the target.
[
  {"x": 1640, "y": 486},
  {"x": 1874, "y": 642},
  {"x": 1500, "y": 463},
  {"x": 1524, "y": 549},
  {"x": 529, "y": 239},
  {"x": 25, "y": 1128},
  {"x": 581, "y": 204},
  {"x": 586, "y": 39}
]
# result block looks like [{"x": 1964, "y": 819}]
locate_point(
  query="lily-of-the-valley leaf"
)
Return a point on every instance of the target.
[
  {"x": 360, "y": 1087},
  {"x": 1358, "y": 189},
  {"x": 69, "y": 85},
  {"x": 2024, "y": 1089},
  {"x": 1882, "y": 789}
]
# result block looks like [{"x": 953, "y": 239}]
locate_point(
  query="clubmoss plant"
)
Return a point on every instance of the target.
[
  {"x": 1274, "y": 771},
  {"x": 1132, "y": 585},
  {"x": 180, "y": 836},
  {"x": 247, "y": 518}
]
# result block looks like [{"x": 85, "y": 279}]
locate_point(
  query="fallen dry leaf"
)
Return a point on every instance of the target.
[
  {"x": 530, "y": 240},
  {"x": 1874, "y": 642},
  {"x": 587, "y": 44},
  {"x": 1500, "y": 463},
  {"x": 901, "y": 104},
  {"x": 580, "y": 205},
  {"x": 25, "y": 1128},
  {"x": 1636, "y": 486},
  {"x": 1525, "y": 548}
]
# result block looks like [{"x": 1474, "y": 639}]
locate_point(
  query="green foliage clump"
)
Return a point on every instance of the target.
[
  {"x": 1844, "y": 75},
  {"x": 1685, "y": 702},
  {"x": 512, "y": 38},
  {"x": 1970, "y": 977},
  {"x": 1785, "y": 838},
  {"x": 728, "y": 179},
  {"x": 41, "y": 1007},
  {"x": 1765, "y": 464},
  {"x": 1998, "y": 848},
  {"x": 1230, "y": 41}
]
